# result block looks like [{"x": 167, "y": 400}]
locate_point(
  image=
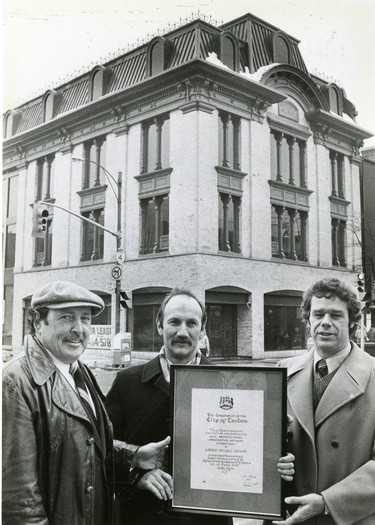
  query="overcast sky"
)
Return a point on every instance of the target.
[{"x": 46, "y": 41}]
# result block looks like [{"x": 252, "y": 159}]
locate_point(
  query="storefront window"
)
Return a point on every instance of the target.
[{"x": 284, "y": 328}]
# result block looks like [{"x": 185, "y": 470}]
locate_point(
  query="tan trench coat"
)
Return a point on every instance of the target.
[{"x": 335, "y": 451}]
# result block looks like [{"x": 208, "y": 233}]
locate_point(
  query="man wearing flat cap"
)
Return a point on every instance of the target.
[{"x": 57, "y": 438}]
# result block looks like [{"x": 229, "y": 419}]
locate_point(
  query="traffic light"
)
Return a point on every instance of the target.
[
  {"x": 361, "y": 282},
  {"x": 40, "y": 218},
  {"x": 126, "y": 299}
]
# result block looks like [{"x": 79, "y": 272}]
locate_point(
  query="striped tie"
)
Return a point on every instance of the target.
[
  {"x": 322, "y": 368},
  {"x": 82, "y": 390}
]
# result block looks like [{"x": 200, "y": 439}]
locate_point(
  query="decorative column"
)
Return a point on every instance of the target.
[
  {"x": 159, "y": 128},
  {"x": 292, "y": 214},
  {"x": 236, "y": 142},
  {"x": 302, "y": 163},
  {"x": 156, "y": 201},
  {"x": 49, "y": 161},
  {"x": 98, "y": 146},
  {"x": 291, "y": 141},
  {"x": 333, "y": 157},
  {"x": 335, "y": 227},
  {"x": 225, "y": 120},
  {"x": 280, "y": 211},
  {"x": 278, "y": 138},
  {"x": 145, "y": 130}
]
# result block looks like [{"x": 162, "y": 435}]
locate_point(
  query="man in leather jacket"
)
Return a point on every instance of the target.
[{"x": 57, "y": 437}]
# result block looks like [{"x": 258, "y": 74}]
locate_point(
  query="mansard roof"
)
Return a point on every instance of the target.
[{"x": 256, "y": 42}]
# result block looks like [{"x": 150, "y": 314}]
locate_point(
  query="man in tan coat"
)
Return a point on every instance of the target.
[{"x": 331, "y": 397}]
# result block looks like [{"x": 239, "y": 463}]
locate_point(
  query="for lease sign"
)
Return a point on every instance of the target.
[{"x": 101, "y": 337}]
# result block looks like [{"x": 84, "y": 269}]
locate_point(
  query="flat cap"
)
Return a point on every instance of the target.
[{"x": 64, "y": 294}]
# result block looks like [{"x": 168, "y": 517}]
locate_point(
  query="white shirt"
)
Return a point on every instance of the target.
[{"x": 334, "y": 361}]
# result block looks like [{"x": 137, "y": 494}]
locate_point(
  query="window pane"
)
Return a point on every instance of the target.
[
  {"x": 229, "y": 54},
  {"x": 146, "y": 337},
  {"x": 285, "y": 226},
  {"x": 283, "y": 328},
  {"x": 273, "y": 157},
  {"x": 10, "y": 246},
  {"x": 231, "y": 232},
  {"x": 274, "y": 233},
  {"x": 221, "y": 225},
  {"x": 13, "y": 195},
  {"x": 148, "y": 226},
  {"x": 164, "y": 224},
  {"x": 151, "y": 160},
  {"x": 284, "y": 160}
]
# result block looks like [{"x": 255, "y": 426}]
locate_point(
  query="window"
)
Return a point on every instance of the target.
[
  {"x": 229, "y": 141},
  {"x": 284, "y": 328},
  {"x": 7, "y": 315},
  {"x": 155, "y": 144},
  {"x": 146, "y": 335},
  {"x": 337, "y": 174},
  {"x": 93, "y": 237},
  {"x": 99, "y": 81},
  {"x": 338, "y": 242},
  {"x": 159, "y": 55},
  {"x": 289, "y": 233},
  {"x": 11, "y": 221},
  {"x": 94, "y": 153},
  {"x": 227, "y": 49},
  {"x": 229, "y": 222},
  {"x": 44, "y": 178},
  {"x": 288, "y": 159},
  {"x": 48, "y": 107},
  {"x": 281, "y": 49},
  {"x": 154, "y": 224}
]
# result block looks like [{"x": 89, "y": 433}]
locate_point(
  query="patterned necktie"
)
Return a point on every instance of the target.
[
  {"x": 82, "y": 390},
  {"x": 322, "y": 368}
]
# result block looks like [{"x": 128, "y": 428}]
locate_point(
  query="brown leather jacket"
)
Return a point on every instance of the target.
[{"x": 53, "y": 458}]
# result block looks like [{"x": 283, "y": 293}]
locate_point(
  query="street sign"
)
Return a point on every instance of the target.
[
  {"x": 120, "y": 257},
  {"x": 116, "y": 272}
]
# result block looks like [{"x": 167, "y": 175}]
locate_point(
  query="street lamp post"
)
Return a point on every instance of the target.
[{"x": 119, "y": 246}]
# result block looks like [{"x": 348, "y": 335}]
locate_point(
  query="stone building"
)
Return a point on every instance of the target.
[{"x": 226, "y": 167}]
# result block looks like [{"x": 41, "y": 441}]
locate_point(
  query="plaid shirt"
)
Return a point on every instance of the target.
[{"x": 166, "y": 364}]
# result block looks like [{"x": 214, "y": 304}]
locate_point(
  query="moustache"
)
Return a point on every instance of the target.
[{"x": 181, "y": 340}]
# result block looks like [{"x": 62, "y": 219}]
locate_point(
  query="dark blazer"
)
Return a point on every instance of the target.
[{"x": 138, "y": 406}]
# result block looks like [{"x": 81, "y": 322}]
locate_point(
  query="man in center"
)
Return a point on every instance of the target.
[{"x": 138, "y": 406}]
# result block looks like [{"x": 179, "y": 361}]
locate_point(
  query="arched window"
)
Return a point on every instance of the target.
[
  {"x": 48, "y": 107},
  {"x": 282, "y": 52},
  {"x": 229, "y": 53},
  {"x": 156, "y": 58},
  {"x": 158, "y": 55},
  {"x": 99, "y": 80},
  {"x": 227, "y": 50},
  {"x": 10, "y": 123}
]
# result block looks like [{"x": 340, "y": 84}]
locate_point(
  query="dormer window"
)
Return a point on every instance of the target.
[
  {"x": 99, "y": 79},
  {"x": 335, "y": 99},
  {"x": 158, "y": 55},
  {"x": 10, "y": 123},
  {"x": 282, "y": 50},
  {"x": 49, "y": 104},
  {"x": 227, "y": 50}
]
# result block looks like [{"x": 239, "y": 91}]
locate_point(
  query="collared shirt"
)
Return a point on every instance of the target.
[
  {"x": 64, "y": 369},
  {"x": 165, "y": 363},
  {"x": 334, "y": 361}
]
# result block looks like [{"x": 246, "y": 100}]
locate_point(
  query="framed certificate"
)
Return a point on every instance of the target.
[{"x": 228, "y": 426}]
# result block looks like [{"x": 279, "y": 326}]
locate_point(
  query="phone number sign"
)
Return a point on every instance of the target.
[{"x": 100, "y": 337}]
